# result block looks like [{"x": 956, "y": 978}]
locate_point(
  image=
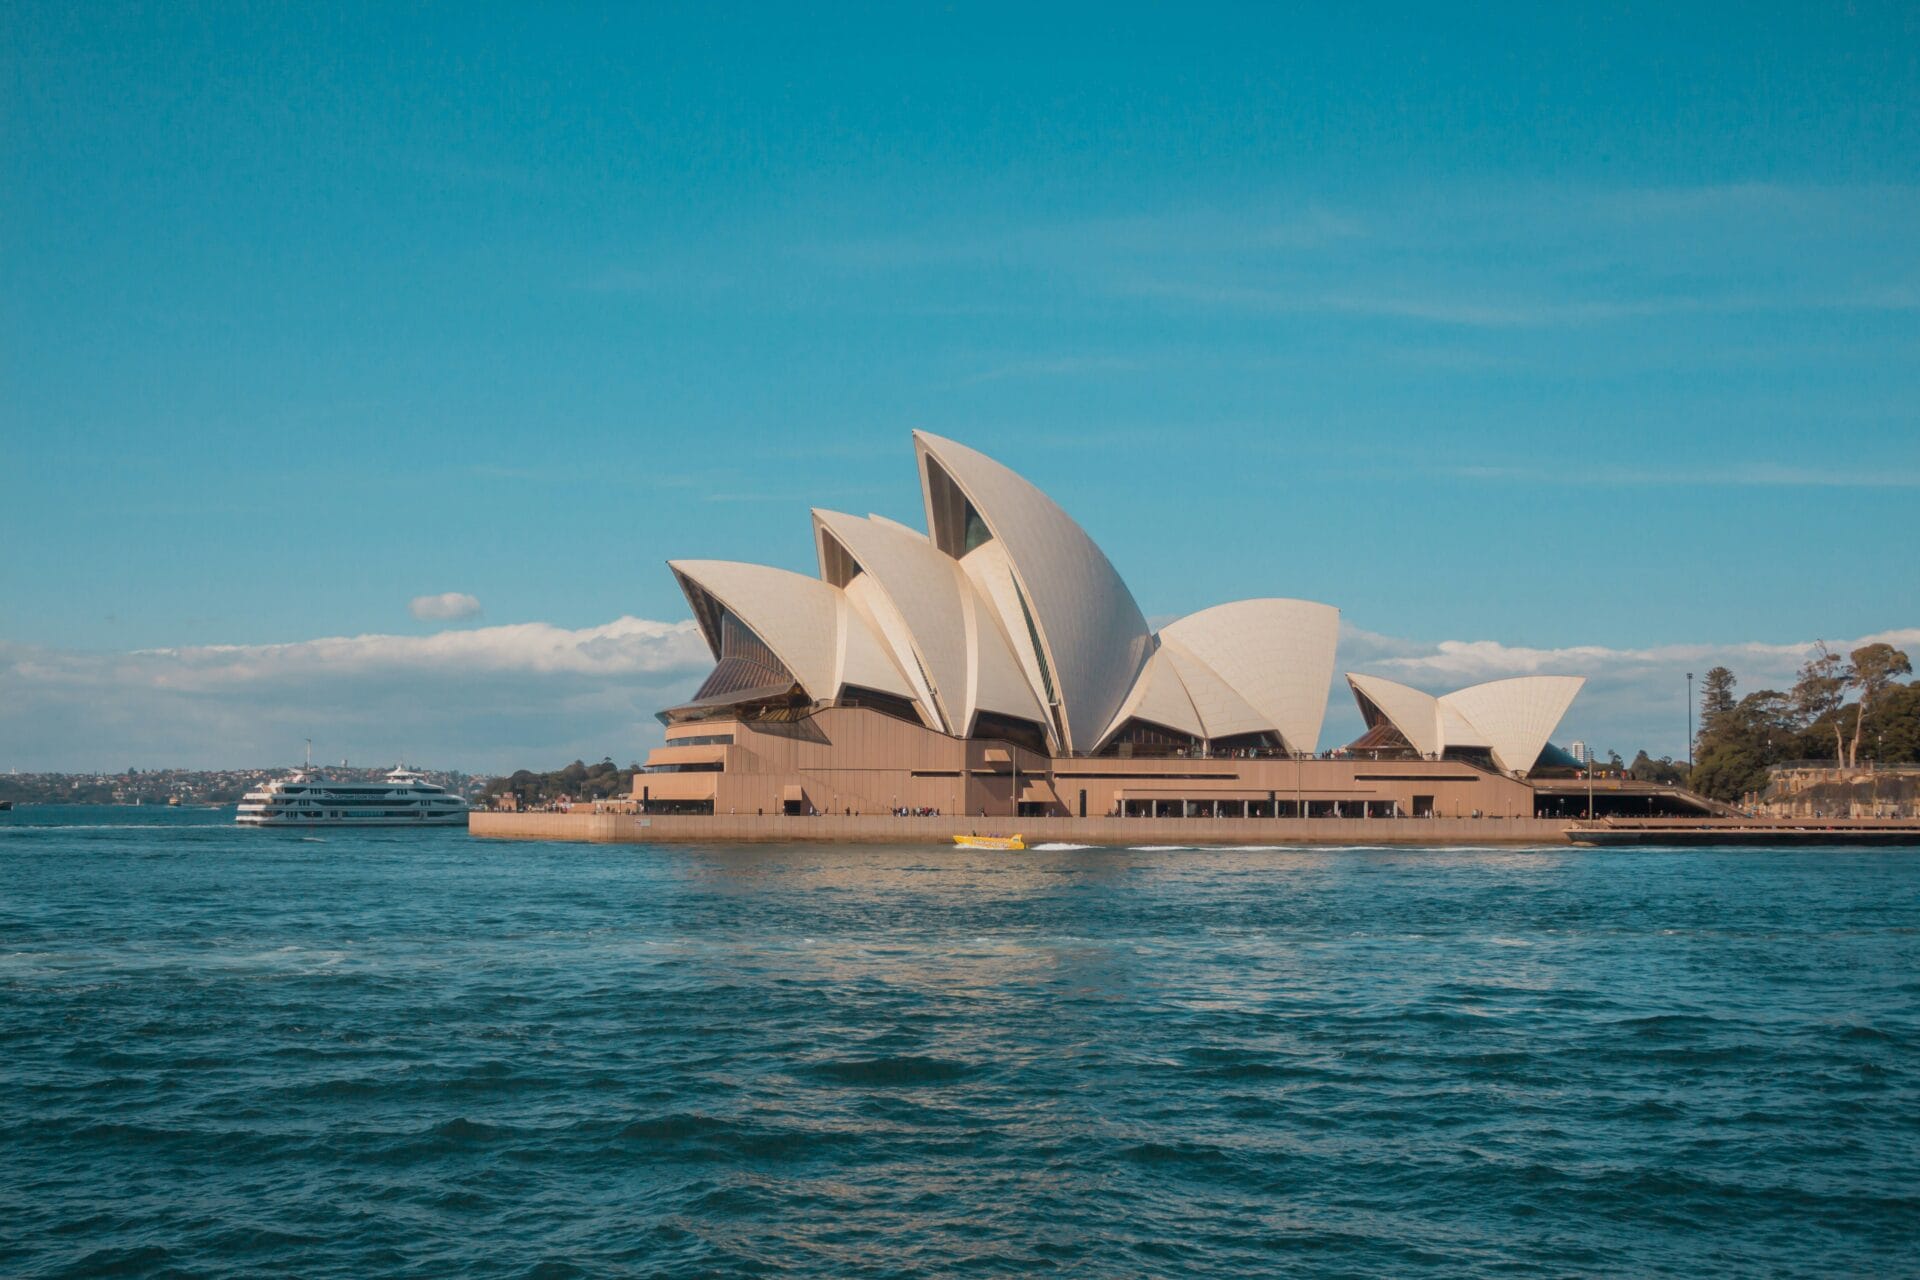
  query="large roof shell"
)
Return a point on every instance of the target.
[
  {"x": 809, "y": 625},
  {"x": 875, "y": 607},
  {"x": 992, "y": 586},
  {"x": 1223, "y": 712},
  {"x": 963, "y": 656},
  {"x": 1276, "y": 654},
  {"x": 1159, "y": 696},
  {"x": 1095, "y": 639}
]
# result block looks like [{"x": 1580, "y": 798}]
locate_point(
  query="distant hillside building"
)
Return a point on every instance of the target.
[{"x": 1820, "y": 789}]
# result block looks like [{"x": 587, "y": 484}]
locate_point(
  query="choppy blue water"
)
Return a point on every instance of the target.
[{"x": 237, "y": 1053}]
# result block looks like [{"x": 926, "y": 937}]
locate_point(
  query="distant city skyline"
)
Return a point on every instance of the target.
[{"x": 358, "y": 376}]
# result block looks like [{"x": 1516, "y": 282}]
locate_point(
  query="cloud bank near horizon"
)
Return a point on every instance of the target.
[
  {"x": 482, "y": 699},
  {"x": 534, "y": 695}
]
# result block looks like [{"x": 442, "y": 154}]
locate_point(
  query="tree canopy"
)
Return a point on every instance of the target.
[
  {"x": 1740, "y": 741},
  {"x": 577, "y": 781}
]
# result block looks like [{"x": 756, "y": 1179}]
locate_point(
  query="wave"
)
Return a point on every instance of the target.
[
  {"x": 1235, "y": 848},
  {"x": 905, "y": 1069},
  {"x": 168, "y": 828},
  {"x": 716, "y": 1059}
]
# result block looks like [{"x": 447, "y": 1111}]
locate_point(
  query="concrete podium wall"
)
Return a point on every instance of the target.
[{"x": 877, "y": 829}]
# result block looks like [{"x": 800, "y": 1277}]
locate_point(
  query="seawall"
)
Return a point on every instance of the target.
[{"x": 627, "y": 828}]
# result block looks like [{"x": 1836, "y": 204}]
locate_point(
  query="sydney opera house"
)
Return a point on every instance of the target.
[{"x": 997, "y": 665}]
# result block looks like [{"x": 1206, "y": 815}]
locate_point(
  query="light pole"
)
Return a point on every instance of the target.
[
  {"x": 1689, "y": 724},
  {"x": 1589, "y": 784}
]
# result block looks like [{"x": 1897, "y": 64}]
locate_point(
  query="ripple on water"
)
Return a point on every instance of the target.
[
  {"x": 231, "y": 1057},
  {"x": 892, "y": 1071}
]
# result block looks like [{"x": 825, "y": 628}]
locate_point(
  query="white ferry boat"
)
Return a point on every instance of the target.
[{"x": 305, "y": 799}]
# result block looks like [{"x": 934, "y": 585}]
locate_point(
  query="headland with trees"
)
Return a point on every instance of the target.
[{"x": 1850, "y": 710}]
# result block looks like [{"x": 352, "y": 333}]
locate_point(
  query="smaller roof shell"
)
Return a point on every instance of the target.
[
  {"x": 1414, "y": 712},
  {"x": 1516, "y": 717},
  {"x": 1513, "y": 719}
]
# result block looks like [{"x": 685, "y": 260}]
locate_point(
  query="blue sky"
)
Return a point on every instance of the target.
[{"x": 1518, "y": 326}]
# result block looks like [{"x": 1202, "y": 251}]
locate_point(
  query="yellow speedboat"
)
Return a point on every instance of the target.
[{"x": 990, "y": 842}]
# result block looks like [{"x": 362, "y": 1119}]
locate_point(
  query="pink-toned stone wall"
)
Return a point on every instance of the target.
[{"x": 1094, "y": 831}]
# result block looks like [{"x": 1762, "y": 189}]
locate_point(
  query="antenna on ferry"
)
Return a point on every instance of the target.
[{"x": 309, "y": 753}]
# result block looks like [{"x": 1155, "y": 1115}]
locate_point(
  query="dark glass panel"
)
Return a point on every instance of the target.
[
  {"x": 1247, "y": 744},
  {"x": 1143, "y": 739},
  {"x": 1033, "y": 637},
  {"x": 1383, "y": 742},
  {"x": 1020, "y": 732},
  {"x": 1478, "y": 756},
  {"x": 886, "y": 703},
  {"x": 745, "y": 662},
  {"x": 977, "y": 532}
]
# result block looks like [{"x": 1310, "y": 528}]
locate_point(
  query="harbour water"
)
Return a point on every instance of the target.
[{"x": 228, "y": 1052}]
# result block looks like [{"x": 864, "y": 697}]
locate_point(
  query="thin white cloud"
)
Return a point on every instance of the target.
[
  {"x": 1096, "y": 243},
  {"x": 1758, "y": 474},
  {"x": 537, "y": 695},
  {"x": 448, "y": 606},
  {"x": 1467, "y": 311},
  {"x": 1769, "y": 201},
  {"x": 487, "y": 698}
]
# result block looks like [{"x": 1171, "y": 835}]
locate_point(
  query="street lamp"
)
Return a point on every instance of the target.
[
  {"x": 1589, "y": 751},
  {"x": 1689, "y": 725}
]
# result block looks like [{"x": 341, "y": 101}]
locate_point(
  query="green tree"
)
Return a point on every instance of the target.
[
  {"x": 1875, "y": 668},
  {"x": 1896, "y": 725},
  {"x": 1646, "y": 769},
  {"x": 1760, "y": 731},
  {"x": 1821, "y": 691},
  {"x": 578, "y": 781},
  {"x": 1716, "y": 699}
]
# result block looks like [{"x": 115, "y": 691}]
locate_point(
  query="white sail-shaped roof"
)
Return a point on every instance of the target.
[
  {"x": 809, "y": 624},
  {"x": 1414, "y": 713},
  {"x": 1223, "y": 712},
  {"x": 1455, "y": 729},
  {"x": 1093, "y": 640},
  {"x": 1513, "y": 719},
  {"x": 1006, "y": 608},
  {"x": 1159, "y": 696},
  {"x": 1276, "y": 654},
  {"x": 944, "y": 639},
  {"x": 1517, "y": 716},
  {"x": 876, "y": 608}
]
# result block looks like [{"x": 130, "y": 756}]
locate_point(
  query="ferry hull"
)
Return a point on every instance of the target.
[
  {"x": 313, "y": 824},
  {"x": 1752, "y": 835},
  {"x": 302, "y": 802}
]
